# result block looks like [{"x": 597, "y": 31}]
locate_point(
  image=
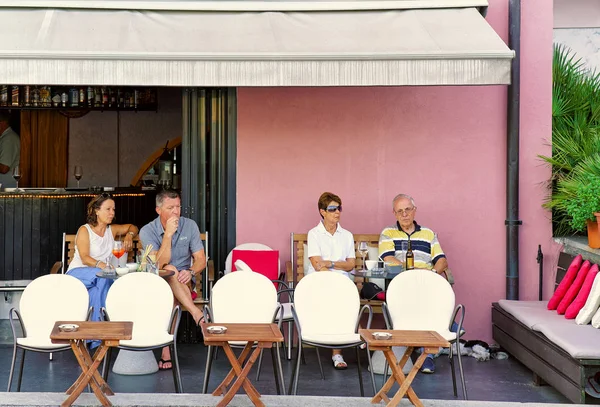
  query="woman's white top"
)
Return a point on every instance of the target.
[
  {"x": 336, "y": 247},
  {"x": 100, "y": 247}
]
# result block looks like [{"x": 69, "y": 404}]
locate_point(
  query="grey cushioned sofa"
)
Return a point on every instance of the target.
[{"x": 558, "y": 351}]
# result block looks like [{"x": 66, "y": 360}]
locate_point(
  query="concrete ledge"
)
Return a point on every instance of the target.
[{"x": 206, "y": 400}]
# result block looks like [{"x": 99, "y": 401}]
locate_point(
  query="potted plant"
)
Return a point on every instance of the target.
[{"x": 582, "y": 205}]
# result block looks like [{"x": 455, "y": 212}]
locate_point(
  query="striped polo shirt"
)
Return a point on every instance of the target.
[{"x": 393, "y": 241}]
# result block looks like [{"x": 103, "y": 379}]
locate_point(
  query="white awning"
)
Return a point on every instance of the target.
[{"x": 389, "y": 43}]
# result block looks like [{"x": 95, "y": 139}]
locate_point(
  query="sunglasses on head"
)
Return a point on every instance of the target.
[
  {"x": 105, "y": 195},
  {"x": 333, "y": 208}
]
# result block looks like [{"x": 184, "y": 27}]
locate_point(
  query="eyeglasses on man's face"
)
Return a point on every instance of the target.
[
  {"x": 404, "y": 211},
  {"x": 333, "y": 208}
]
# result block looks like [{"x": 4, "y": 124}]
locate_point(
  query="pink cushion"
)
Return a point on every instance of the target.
[
  {"x": 265, "y": 262},
  {"x": 574, "y": 289},
  {"x": 566, "y": 282},
  {"x": 584, "y": 293}
]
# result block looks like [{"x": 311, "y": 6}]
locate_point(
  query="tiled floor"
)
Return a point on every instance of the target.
[{"x": 494, "y": 380}]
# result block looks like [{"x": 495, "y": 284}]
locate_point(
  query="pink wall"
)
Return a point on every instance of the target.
[{"x": 443, "y": 145}]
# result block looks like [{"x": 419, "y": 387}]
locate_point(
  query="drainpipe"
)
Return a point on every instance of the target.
[{"x": 512, "y": 221}]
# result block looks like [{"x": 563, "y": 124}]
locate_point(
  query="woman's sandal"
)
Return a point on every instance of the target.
[{"x": 338, "y": 362}]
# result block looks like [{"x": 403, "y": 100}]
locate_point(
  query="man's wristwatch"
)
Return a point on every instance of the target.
[
  {"x": 131, "y": 233},
  {"x": 332, "y": 264}
]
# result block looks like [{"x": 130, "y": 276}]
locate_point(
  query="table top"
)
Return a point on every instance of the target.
[
  {"x": 243, "y": 333},
  {"x": 162, "y": 273},
  {"x": 375, "y": 273},
  {"x": 424, "y": 339},
  {"x": 99, "y": 330}
]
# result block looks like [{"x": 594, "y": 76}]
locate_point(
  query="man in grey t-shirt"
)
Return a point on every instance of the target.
[
  {"x": 10, "y": 151},
  {"x": 177, "y": 241}
]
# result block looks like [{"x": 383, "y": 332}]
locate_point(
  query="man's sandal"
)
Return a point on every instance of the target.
[{"x": 338, "y": 362}]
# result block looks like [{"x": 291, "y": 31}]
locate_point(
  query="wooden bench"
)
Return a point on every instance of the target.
[
  {"x": 68, "y": 253},
  {"x": 549, "y": 362},
  {"x": 295, "y": 267}
]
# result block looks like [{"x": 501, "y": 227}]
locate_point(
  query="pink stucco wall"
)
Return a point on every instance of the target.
[{"x": 446, "y": 146}]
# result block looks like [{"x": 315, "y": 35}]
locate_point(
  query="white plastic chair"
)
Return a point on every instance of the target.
[
  {"x": 326, "y": 311},
  {"x": 155, "y": 321},
  {"x": 47, "y": 299},
  {"x": 283, "y": 288},
  {"x": 423, "y": 300},
  {"x": 243, "y": 297}
]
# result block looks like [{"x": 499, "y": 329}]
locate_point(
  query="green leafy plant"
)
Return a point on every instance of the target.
[
  {"x": 585, "y": 201},
  {"x": 575, "y": 134}
]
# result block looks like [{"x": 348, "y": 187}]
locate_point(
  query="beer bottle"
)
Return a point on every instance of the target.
[{"x": 409, "y": 263}]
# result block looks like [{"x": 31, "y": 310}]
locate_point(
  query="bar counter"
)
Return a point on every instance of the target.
[{"x": 32, "y": 222}]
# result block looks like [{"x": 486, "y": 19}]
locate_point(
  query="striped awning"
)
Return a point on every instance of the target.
[{"x": 250, "y": 43}]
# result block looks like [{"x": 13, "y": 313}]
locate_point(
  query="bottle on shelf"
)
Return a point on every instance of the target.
[
  {"x": 90, "y": 96},
  {"x": 35, "y": 97},
  {"x": 73, "y": 97},
  {"x": 14, "y": 95},
  {"x": 409, "y": 262},
  {"x": 104, "y": 96},
  {"x": 4, "y": 95},
  {"x": 81, "y": 97},
  {"x": 45, "y": 96},
  {"x": 97, "y": 97},
  {"x": 27, "y": 95},
  {"x": 64, "y": 98}
]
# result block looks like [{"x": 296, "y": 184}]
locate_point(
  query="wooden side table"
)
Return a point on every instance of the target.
[
  {"x": 430, "y": 341},
  {"x": 264, "y": 335},
  {"x": 109, "y": 333}
]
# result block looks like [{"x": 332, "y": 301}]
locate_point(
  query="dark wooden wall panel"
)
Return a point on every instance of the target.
[{"x": 31, "y": 228}]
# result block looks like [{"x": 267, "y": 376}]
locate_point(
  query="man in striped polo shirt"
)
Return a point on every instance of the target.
[{"x": 393, "y": 243}]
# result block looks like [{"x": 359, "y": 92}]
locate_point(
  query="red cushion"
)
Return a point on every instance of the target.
[
  {"x": 574, "y": 289},
  {"x": 566, "y": 282},
  {"x": 265, "y": 262},
  {"x": 583, "y": 295}
]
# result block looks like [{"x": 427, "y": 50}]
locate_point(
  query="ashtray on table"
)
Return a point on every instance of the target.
[
  {"x": 68, "y": 327},
  {"x": 217, "y": 329},
  {"x": 382, "y": 335}
]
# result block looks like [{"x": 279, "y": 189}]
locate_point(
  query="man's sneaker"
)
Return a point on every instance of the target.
[{"x": 428, "y": 366}]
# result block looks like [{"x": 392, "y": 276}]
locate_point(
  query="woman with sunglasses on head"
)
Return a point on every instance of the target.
[
  {"x": 94, "y": 245},
  {"x": 331, "y": 248}
]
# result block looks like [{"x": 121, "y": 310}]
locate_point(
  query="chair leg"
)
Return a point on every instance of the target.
[
  {"x": 320, "y": 364},
  {"x": 209, "y": 359},
  {"x": 451, "y": 358},
  {"x": 176, "y": 372},
  {"x": 360, "y": 378},
  {"x": 12, "y": 367},
  {"x": 21, "y": 371},
  {"x": 106, "y": 364},
  {"x": 371, "y": 370},
  {"x": 385, "y": 370},
  {"x": 50, "y": 357},
  {"x": 290, "y": 340},
  {"x": 275, "y": 370},
  {"x": 462, "y": 374},
  {"x": 296, "y": 372},
  {"x": 260, "y": 356},
  {"x": 280, "y": 369}
]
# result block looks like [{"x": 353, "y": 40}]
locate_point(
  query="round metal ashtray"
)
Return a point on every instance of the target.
[
  {"x": 217, "y": 329},
  {"x": 382, "y": 335},
  {"x": 68, "y": 327}
]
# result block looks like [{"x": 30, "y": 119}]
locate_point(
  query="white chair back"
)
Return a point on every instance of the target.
[
  {"x": 247, "y": 246},
  {"x": 326, "y": 303},
  {"x": 143, "y": 298},
  {"x": 243, "y": 297},
  {"x": 51, "y": 298},
  {"x": 420, "y": 300}
]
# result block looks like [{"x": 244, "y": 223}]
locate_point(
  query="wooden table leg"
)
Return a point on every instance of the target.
[
  {"x": 88, "y": 370},
  {"x": 97, "y": 378},
  {"x": 242, "y": 379},
  {"x": 391, "y": 359},
  {"x": 405, "y": 382},
  {"x": 222, "y": 388}
]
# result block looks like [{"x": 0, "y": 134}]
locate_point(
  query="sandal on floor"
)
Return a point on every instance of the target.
[
  {"x": 338, "y": 362},
  {"x": 163, "y": 361}
]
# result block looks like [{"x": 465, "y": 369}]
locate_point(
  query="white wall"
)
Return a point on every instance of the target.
[{"x": 93, "y": 140}]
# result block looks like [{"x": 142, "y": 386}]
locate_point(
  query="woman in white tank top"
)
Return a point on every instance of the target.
[{"x": 93, "y": 247}]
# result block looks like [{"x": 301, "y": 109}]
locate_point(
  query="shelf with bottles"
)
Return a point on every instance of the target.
[{"x": 78, "y": 97}]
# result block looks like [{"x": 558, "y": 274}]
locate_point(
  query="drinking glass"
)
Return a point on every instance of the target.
[
  {"x": 363, "y": 250},
  {"x": 118, "y": 250},
  {"x": 17, "y": 176},
  {"x": 78, "y": 173},
  {"x": 109, "y": 270}
]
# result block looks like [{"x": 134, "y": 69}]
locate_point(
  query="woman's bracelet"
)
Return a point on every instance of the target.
[{"x": 98, "y": 262}]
